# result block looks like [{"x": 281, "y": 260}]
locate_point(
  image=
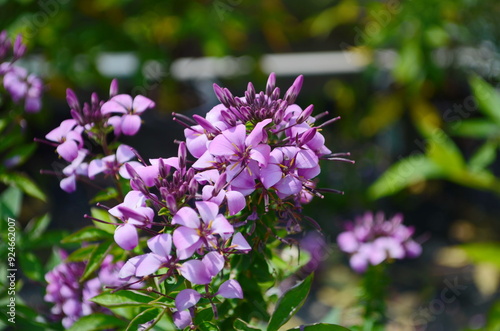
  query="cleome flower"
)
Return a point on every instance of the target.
[{"x": 371, "y": 240}]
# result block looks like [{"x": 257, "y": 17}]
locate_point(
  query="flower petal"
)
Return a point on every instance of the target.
[
  {"x": 141, "y": 103},
  {"x": 131, "y": 124},
  {"x": 186, "y": 299},
  {"x": 188, "y": 217},
  {"x": 208, "y": 210},
  {"x": 68, "y": 150},
  {"x": 124, "y": 153},
  {"x": 126, "y": 236},
  {"x": 196, "y": 272},
  {"x": 240, "y": 243},
  {"x": 220, "y": 225},
  {"x": 230, "y": 289},
  {"x": 235, "y": 202},
  {"x": 68, "y": 184},
  {"x": 161, "y": 244},
  {"x": 149, "y": 264},
  {"x": 214, "y": 262},
  {"x": 182, "y": 319}
]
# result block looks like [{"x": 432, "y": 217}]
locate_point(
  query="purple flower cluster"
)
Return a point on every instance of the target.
[
  {"x": 248, "y": 150},
  {"x": 371, "y": 240},
  {"x": 199, "y": 241},
  {"x": 93, "y": 121},
  {"x": 259, "y": 141},
  {"x": 16, "y": 80},
  {"x": 71, "y": 298}
]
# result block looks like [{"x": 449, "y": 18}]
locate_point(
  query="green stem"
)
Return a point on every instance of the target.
[{"x": 374, "y": 291}]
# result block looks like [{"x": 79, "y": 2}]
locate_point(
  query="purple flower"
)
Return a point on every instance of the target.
[
  {"x": 160, "y": 247},
  {"x": 112, "y": 164},
  {"x": 134, "y": 213},
  {"x": 72, "y": 171},
  {"x": 69, "y": 135},
  {"x": 194, "y": 234},
  {"x": 372, "y": 240},
  {"x": 71, "y": 298},
  {"x": 288, "y": 169},
  {"x": 215, "y": 193},
  {"x": 202, "y": 271},
  {"x": 130, "y": 122}
]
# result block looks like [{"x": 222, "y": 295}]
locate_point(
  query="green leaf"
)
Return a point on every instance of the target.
[
  {"x": 82, "y": 253},
  {"x": 208, "y": 326},
  {"x": 103, "y": 215},
  {"x": 240, "y": 325},
  {"x": 404, "y": 173},
  {"x": 22, "y": 153},
  {"x": 96, "y": 258},
  {"x": 487, "y": 98},
  {"x": 483, "y": 252},
  {"x": 320, "y": 327},
  {"x": 37, "y": 226},
  {"x": 24, "y": 183},
  {"x": 151, "y": 314},
  {"x": 31, "y": 266},
  {"x": 484, "y": 156},
  {"x": 10, "y": 202},
  {"x": 97, "y": 321},
  {"x": 479, "y": 128},
  {"x": 88, "y": 233},
  {"x": 290, "y": 303},
  {"x": 123, "y": 298},
  {"x": 444, "y": 153},
  {"x": 105, "y": 195}
]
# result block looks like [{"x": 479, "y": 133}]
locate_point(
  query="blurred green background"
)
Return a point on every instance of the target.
[{"x": 414, "y": 82}]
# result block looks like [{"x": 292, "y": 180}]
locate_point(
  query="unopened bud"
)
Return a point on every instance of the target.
[
  {"x": 113, "y": 88},
  {"x": 293, "y": 92},
  {"x": 271, "y": 83},
  {"x": 306, "y": 113},
  {"x": 205, "y": 124},
  {"x": 220, "y": 183},
  {"x": 72, "y": 99},
  {"x": 307, "y": 136},
  {"x": 19, "y": 48}
]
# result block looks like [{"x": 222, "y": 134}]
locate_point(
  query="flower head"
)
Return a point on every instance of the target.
[
  {"x": 70, "y": 297},
  {"x": 371, "y": 239}
]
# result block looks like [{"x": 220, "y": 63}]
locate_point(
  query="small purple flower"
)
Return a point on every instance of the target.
[
  {"x": 130, "y": 122},
  {"x": 288, "y": 169},
  {"x": 72, "y": 171},
  {"x": 134, "y": 213},
  {"x": 202, "y": 271},
  {"x": 182, "y": 319},
  {"x": 69, "y": 135},
  {"x": 160, "y": 247},
  {"x": 371, "y": 239},
  {"x": 70, "y": 297},
  {"x": 194, "y": 234},
  {"x": 112, "y": 164},
  {"x": 215, "y": 193}
]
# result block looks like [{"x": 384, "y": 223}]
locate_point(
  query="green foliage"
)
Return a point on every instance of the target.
[
  {"x": 97, "y": 322},
  {"x": 289, "y": 304},
  {"x": 123, "y": 299}
]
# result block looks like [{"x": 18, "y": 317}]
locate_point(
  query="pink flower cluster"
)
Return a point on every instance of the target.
[
  {"x": 93, "y": 121},
  {"x": 248, "y": 150},
  {"x": 21, "y": 85},
  {"x": 260, "y": 141},
  {"x": 371, "y": 240},
  {"x": 71, "y": 298}
]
